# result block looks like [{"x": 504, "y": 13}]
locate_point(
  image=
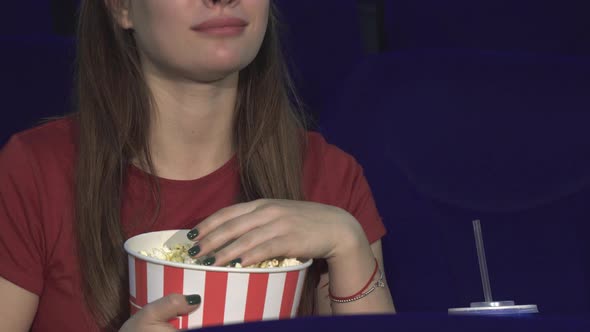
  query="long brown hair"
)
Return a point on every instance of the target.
[{"x": 113, "y": 102}]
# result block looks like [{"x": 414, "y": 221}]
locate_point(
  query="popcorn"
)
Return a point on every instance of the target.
[
  {"x": 179, "y": 254},
  {"x": 276, "y": 262}
]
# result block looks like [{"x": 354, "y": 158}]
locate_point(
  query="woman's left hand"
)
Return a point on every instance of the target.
[{"x": 265, "y": 229}]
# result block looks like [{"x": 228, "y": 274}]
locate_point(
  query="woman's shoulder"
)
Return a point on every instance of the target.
[
  {"x": 48, "y": 146},
  {"x": 330, "y": 174},
  {"x": 321, "y": 153},
  {"x": 53, "y": 137}
]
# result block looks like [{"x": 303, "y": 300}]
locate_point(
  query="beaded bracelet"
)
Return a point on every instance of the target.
[{"x": 362, "y": 293}]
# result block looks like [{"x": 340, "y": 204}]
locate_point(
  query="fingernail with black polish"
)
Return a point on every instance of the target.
[
  {"x": 193, "y": 251},
  {"x": 235, "y": 262},
  {"x": 209, "y": 261},
  {"x": 192, "y": 234},
  {"x": 193, "y": 299}
]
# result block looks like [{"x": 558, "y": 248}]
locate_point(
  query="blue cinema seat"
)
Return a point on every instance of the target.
[
  {"x": 323, "y": 43},
  {"x": 26, "y": 17},
  {"x": 446, "y": 137},
  {"x": 36, "y": 83},
  {"x": 560, "y": 27}
]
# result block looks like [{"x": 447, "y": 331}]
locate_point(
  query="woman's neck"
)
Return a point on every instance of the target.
[{"x": 191, "y": 131}]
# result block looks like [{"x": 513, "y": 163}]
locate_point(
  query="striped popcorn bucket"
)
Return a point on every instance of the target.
[{"x": 229, "y": 295}]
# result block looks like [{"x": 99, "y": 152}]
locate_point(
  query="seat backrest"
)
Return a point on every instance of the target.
[
  {"x": 447, "y": 137},
  {"x": 559, "y": 27},
  {"x": 323, "y": 42},
  {"x": 26, "y": 17},
  {"x": 36, "y": 80}
]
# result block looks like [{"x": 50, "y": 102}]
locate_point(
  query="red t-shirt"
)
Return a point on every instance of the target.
[{"x": 36, "y": 211}]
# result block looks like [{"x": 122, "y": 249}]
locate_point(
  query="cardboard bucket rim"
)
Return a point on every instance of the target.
[{"x": 133, "y": 245}]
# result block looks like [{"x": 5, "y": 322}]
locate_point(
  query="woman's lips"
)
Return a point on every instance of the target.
[{"x": 221, "y": 26}]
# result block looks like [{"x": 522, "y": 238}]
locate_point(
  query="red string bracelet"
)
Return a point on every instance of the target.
[{"x": 357, "y": 294}]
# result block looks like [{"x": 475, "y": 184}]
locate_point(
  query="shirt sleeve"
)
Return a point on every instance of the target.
[
  {"x": 362, "y": 205},
  {"x": 336, "y": 178},
  {"x": 21, "y": 238}
]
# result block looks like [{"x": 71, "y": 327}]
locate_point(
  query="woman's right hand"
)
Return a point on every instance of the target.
[{"x": 154, "y": 317}]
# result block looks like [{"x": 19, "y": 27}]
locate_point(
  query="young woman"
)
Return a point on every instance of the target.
[{"x": 185, "y": 120}]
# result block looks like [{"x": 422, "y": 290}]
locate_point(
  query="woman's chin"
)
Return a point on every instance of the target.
[{"x": 217, "y": 73}]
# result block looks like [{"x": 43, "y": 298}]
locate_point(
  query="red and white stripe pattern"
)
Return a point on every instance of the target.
[{"x": 227, "y": 298}]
